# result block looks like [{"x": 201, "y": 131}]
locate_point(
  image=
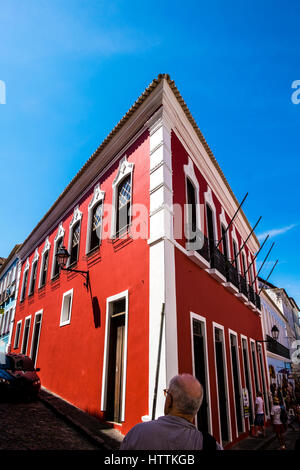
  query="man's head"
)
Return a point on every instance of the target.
[
  {"x": 259, "y": 394},
  {"x": 184, "y": 396}
]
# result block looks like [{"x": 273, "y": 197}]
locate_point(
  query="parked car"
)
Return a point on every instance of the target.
[{"x": 18, "y": 377}]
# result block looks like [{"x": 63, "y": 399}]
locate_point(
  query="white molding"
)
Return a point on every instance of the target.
[
  {"x": 97, "y": 198},
  {"x": 243, "y": 337},
  {"x": 109, "y": 302},
  {"x": 46, "y": 248},
  {"x": 207, "y": 388},
  {"x": 125, "y": 169},
  {"x": 191, "y": 175},
  {"x": 77, "y": 217},
  {"x": 34, "y": 260},
  {"x": 68, "y": 321},
  {"x": 224, "y": 223},
  {"x": 40, "y": 312},
  {"x": 16, "y": 346},
  {"x": 60, "y": 234},
  {"x": 162, "y": 287},
  {"x": 221, "y": 327},
  {"x": 234, "y": 333},
  {"x": 208, "y": 198},
  {"x": 26, "y": 318}
]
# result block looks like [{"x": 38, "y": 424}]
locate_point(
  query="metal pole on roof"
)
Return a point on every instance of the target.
[
  {"x": 268, "y": 276},
  {"x": 230, "y": 223},
  {"x": 248, "y": 236},
  {"x": 263, "y": 263},
  {"x": 256, "y": 254}
]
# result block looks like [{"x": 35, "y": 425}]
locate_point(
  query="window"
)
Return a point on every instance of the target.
[
  {"x": 122, "y": 198},
  {"x": 44, "y": 268},
  {"x": 66, "y": 308},
  {"x": 224, "y": 242},
  {"x": 17, "y": 336},
  {"x": 235, "y": 252},
  {"x": 44, "y": 263},
  {"x": 74, "y": 236},
  {"x": 33, "y": 277},
  {"x": 123, "y": 207},
  {"x": 25, "y": 335},
  {"x": 191, "y": 219},
  {"x": 58, "y": 242},
  {"x": 24, "y": 286},
  {"x": 56, "y": 269},
  {"x": 95, "y": 215},
  {"x": 36, "y": 337},
  {"x": 96, "y": 226},
  {"x": 75, "y": 243}
]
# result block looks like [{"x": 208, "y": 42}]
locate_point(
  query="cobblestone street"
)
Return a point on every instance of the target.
[{"x": 32, "y": 426}]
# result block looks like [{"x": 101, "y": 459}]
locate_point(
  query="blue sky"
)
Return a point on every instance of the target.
[{"x": 72, "y": 69}]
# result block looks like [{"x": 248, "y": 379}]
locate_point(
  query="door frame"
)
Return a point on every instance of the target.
[
  {"x": 233, "y": 333},
  {"x": 207, "y": 388},
  {"x": 221, "y": 327},
  {"x": 109, "y": 303}
]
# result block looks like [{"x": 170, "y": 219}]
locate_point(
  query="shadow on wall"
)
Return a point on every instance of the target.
[{"x": 96, "y": 312}]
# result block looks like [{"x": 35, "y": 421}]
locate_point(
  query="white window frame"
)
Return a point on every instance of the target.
[
  {"x": 97, "y": 198},
  {"x": 109, "y": 302},
  {"x": 208, "y": 198},
  {"x": 68, "y": 321},
  {"x": 125, "y": 170},
  {"x": 40, "y": 312},
  {"x": 207, "y": 390},
  {"x": 60, "y": 234},
  {"x": 77, "y": 217},
  {"x": 224, "y": 224},
  {"x": 234, "y": 238},
  {"x": 23, "y": 280},
  {"x": 46, "y": 249},
  {"x": 27, "y": 318},
  {"x": 234, "y": 333},
  {"x": 16, "y": 344},
  {"x": 250, "y": 375},
  {"x": 190, "y": 174},
  {"x": 34, "y": 260},
  {"x": 228, "y": 407}
]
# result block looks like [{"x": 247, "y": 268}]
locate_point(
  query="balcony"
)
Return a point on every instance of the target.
[
  {"x": 217, "y": 265},
  {"x": 277, "y": 348},
  {"x": 232, "y": 278},
  {"x": 257, "y": 301}
]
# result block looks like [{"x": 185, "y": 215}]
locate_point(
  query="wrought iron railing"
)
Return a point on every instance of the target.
[
  {"x": 243, "y": 285},
  {"x": 232, "y": 274},
  {"x": 251, "y": 294},
  {"x": 257, "y": 301},
  {"x": 218, "y": 261},
  {"x": 204, "y": 250},
  {"x": 277, "y": 348}
]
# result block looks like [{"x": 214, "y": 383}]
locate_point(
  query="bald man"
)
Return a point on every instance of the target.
[{"x": 175, "y": 430}]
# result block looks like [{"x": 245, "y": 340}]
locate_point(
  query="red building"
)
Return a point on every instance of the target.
[{"x": 131, "y": 217}]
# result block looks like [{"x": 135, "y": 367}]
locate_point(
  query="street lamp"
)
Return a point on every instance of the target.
[
  {"x": 274, "y": 333},
  {"x": 62, "y": 257}
]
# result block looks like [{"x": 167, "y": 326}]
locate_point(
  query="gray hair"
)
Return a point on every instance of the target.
[{"x": 184, "y": 401}]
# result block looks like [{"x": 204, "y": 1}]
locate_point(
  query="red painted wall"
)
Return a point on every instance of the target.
[{"x": 71, "y": 356}]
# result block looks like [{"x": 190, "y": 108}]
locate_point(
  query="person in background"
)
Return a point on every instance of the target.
[
  {"x": 278, "y": 426},
  {"x": 259, "y": 421},
  {"x": 175, "y": 430}
]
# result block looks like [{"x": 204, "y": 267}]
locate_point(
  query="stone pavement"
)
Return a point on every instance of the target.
[
  {"x": 269, "y": 442},
  {"x": 101, "y": 434}
]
